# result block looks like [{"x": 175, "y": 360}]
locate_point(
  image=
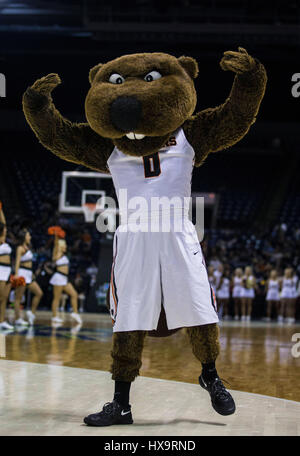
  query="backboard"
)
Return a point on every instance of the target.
[{"x": 79, "y": 188}]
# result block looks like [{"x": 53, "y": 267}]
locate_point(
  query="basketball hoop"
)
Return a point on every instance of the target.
[{"x": 89, "y": 210}]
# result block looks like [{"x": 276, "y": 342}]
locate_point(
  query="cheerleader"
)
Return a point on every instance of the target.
[
  {"x": 5, "y": 271},
  {"x": 60, "y": 281},
  {"x": 237, "y": 289},
  {"x": 211, "y": 277},
  {"x": 287, "y": 297},
  {"x": 248, "y": 293},
  {"x": 223, "y": 294},
  {"x": 23, "y": 268},
  {"x": 272, "y": 298},
  {"x": 218, "y": 273},
  {"x": 291, "y": 311}
]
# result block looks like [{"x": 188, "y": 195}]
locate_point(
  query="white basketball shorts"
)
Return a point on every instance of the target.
[{"x": 154, "y": 268}]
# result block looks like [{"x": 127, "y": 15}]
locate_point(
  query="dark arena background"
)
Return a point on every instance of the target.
[{"x": 252, "y": 219}]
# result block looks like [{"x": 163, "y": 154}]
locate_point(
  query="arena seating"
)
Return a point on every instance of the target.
[
  {"x": 290, "y": 211},
  {"x": 240, "y": 182},
  {"x": 39, "y": 181}
]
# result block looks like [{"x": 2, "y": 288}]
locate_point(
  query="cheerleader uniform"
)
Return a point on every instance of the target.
[
  {"x": 224, "y": 290},
  {"x": 248, "y": 292},
  {"x": 217, "y": 278},
  {"x": 23, "y": 271},
  {"x": 287, "y": 291},
  {"x": 5, "y": 269},
  {"x": 59, "y": 278},
  {"x": 273, "y": 291},
  {"x": 237, "y": 287},
  {"x": 295, "y": 283}
]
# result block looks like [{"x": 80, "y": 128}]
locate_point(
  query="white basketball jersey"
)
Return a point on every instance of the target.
[{"x": 166, "y": 173}]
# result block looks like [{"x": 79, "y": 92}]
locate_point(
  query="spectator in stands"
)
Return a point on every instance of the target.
[{"x": 92, "y": 272}]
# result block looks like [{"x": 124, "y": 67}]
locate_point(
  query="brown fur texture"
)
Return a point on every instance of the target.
[
  {"x": 127, "y": 355},
  {"x": 205, "y": 342},
  {"x": 128, "y": 346}
]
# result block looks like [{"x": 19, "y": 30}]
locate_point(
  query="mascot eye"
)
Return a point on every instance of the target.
[
  {"x": 152, "y": 76},
  {"x": 116, "y": 78}
]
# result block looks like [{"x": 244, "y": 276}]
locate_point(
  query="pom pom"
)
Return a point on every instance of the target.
[
  {"x": 62, "y": 234},
  {"x": 52, "y": 230},
  {"x": 17, "y": 281},
  {"x": 56, "y": 231}
]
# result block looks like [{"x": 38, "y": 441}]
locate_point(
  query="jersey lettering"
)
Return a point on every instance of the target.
[{"x": 171, "y": 142}]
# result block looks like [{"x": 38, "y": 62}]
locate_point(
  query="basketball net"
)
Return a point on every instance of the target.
[{"x": 89, "y": 210}]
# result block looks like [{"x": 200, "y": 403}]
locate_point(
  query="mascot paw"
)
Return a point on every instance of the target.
[
  {"x": 37, "y": 96},
  {"x": 238, "y": 62},
  {"x": 46, "y": 84}
]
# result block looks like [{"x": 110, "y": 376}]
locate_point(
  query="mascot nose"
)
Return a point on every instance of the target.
[{"x": 125, "y": 113}]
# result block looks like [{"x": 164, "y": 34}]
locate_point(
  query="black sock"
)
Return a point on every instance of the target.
[
  {"x": 209, "y": 371},
  {"x": 122, "y": 392}
]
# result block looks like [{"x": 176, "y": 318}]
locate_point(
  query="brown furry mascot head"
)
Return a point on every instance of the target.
[{"x": 143, "y": 96}]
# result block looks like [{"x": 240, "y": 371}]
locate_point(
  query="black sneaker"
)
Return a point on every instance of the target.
[
  {"x": 112, "y": 413},
  {"x": 221, "y": 399}
]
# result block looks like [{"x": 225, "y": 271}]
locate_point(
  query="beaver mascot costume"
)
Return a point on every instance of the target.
[{"x": 141, "y": 129}]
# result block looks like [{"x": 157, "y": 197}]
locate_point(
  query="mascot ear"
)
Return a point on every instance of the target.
[
  {"x": 190, "y": 65},
  {"x": 94, "y": 71}
]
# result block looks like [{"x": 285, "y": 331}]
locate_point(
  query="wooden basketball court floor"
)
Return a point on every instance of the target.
[{"x": 50, "y": 378}]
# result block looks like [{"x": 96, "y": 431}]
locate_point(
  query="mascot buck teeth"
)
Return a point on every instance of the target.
[{"x": 142, "y": 129}]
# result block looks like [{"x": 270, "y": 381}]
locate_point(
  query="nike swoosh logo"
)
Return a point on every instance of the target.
[
  {"x": 195, "y": 253},
  {"x": 125, "y": 413}
]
